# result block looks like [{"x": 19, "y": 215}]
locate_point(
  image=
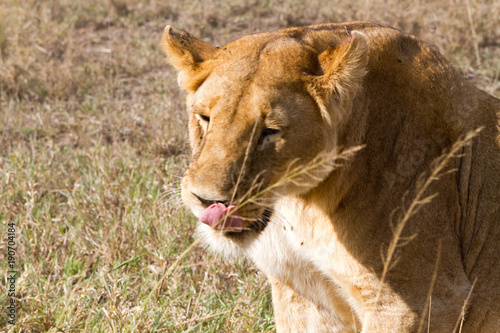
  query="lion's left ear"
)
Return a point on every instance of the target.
[
  {"x": 344, "y": 68},
  {"x": 189, "y": 55}
]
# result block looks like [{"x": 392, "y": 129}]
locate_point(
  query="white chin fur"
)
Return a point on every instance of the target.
[{"x": 217, "y": 242}]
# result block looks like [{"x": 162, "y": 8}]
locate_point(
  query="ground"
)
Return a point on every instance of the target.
[{"x": 93, "y": 142}]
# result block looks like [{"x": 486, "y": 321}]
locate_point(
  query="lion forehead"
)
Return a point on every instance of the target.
[{"x": 265, "y": 58}]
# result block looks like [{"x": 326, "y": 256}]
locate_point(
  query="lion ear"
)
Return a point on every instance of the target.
[
  {"x": 344, "y": 68},
  {"x": 189, "y": 55}
]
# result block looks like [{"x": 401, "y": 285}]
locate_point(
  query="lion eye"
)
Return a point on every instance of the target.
[
  {"x": 201, "y": 117},
  {"x": 267, "y": 132},
  {"x": 203, "y": 121}
]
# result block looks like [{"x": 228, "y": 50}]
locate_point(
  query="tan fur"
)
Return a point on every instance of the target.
[{"x": 327, "y": 88}]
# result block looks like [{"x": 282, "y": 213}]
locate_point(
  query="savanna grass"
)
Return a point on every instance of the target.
[{"x": 93, "y": 143}]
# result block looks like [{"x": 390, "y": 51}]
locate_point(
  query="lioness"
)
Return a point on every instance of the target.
[{"x": 269, "y": 113}]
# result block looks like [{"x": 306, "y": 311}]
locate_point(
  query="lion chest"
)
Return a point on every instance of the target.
[{"x": 300, "y": 248}]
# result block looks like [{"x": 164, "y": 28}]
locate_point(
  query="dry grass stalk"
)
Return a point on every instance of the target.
[
  {"x": 473, "y": 31},
  {"x": 417, "y": 203},
  {"x": 461, "y": 319},
  {"x": 294, "y": 173},
  {"x": 428, "y": 304}
]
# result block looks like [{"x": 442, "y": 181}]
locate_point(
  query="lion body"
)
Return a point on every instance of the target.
[{"x": 324, "y": 246}]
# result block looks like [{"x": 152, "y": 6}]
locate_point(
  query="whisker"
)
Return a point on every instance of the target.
[{"x": 170, "y": 198}]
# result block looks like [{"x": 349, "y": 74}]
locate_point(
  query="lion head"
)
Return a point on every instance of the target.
[{"x": 263, "y": 113}]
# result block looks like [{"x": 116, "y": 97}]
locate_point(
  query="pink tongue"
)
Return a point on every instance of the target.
[{"x": 214, "y": 217}]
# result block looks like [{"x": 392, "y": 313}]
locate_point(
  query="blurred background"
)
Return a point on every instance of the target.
[{"x": 93, "y": 142}]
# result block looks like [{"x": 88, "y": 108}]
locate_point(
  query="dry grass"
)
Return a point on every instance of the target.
[{"x": 92, "y": 133}]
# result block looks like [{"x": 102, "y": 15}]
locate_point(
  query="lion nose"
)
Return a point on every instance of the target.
[{"x": 207, "y": 202}]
